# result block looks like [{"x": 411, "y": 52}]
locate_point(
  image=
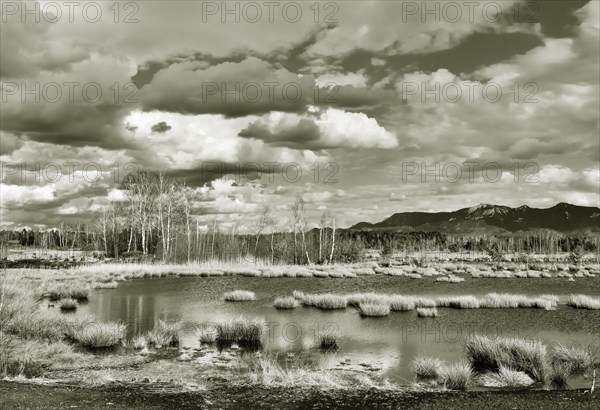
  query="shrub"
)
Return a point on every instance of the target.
[
  {"x": 288, "y": 302},
  {"x": 427, "y": 312},
  {"x": 239, "y": 296},
  {"x": 99, "y": 335},
  {"x": 68, "y": 304},
  {"x": 428, "y": 368},
  {"x": 374, "y": 309},
  {"x": 457, "y": 376}
]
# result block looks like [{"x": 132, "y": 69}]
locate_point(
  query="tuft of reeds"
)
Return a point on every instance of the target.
[
  {"x": 288, "y": 302},
  {"x": 164, "y": 334},
  {"x": 427, "y": 312},
  {"x": 559, "y": 379},
  {"x": 328, "y": 342},
  {"x": 325, "y": 301},
  {"x": 457, "y": 376},
  {"x": 428, "y": 368},
  {"x": 400, "y": 303},
  {"x": 369, "y": 309},
  {"x": 206, "y": 335},
  {"x": 458, "y": 302},
  {"x": 139, "y": 342},
  {"x": 506, "y": 377},
  {"x": 584, "y": 302},
  {"x": 68, "y": 304},
  {"x": 488, "y": 354},
  {"x": 298, "y": 294},
  {"x": 577, "y": 359},
  {"x": 99, "y": 335},
  {"x": 80, "y": 293},
  {"x": 245, "y": 332},
  {"x": 239, "y": 296}
]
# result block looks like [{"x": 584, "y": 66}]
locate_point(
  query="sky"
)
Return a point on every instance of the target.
[{"x": 363, "y": 108}]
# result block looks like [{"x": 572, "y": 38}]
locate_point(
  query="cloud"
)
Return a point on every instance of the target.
[
  {"x": 161, "y": 127},
  {"x": 330, "y": 128}
]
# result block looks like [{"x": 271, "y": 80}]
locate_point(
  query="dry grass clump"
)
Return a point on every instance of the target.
[
  {"x": 507, "y": 300},
  {"x": 578, "y": 360},
  {"x": 559, "y": 379},
  {"x": 139, "y": 342},
  {"x": 424, "y": 302},
  {"x": 325, "y": 301},
  {"x": 298, "y": 294},
  {"x": 506, "y": 377},
  {"x": 427, "y": 312},
  {"x": 369, "y": 309},
  {"x": 239, "y": 296},
  {"x": 80, "y": 292},
  {"x": 584, "y": 302},
  {"x": 458, "y": 302},
  {"x": 488, "y": 354},
  {"x": 401, "y": 303},
  {"x": 245, "y": 332},
  {"x": 288, "y": 302},
  {"x": 328, "y": 342},
  {"x": 450, "y": 279},
  {"x": 206, "y": 335},
  {"x": 428, "y": 368},
  {"x": 457, "y": 376},
  {"x": 164, "y": 334},
  {"x": 68, "y": 304},
  {"x": 99, "y": 335}
]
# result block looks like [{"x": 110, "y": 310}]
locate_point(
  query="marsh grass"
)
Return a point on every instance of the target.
[
  {"x": 68, "y": 304},
  {"x": 288, "y": 302},
  {"x": 458, "y": 302},
  {"x": 325, "y": 301},
  {"x": 506, "y": 300},
  {"x": 400, "y": 303},
  {"x": 427, "y": 312},
  {"x": 164, "y": 334},
  {"x": 328, "y": 342},
  {"x": 584, "y": 302},
  {"x": 428, "y": 368},
  {"x": 370, "y": 309},
  {"x": 577, "y": 359},
  {"x": 206, "y": 335},
  {"x": 139, "y": 342},
  {"x": 506, "y": 377},
  {"x": 239, "y": 296},
  {"x": 79, "y": 292},
  {"x": 245, "y": 332},
  {"x": 559, "y": 378},
  {"x": 457, "y": 376},
  {"x": 488, "y": 354},
  {"x": 99, "y": 335}
]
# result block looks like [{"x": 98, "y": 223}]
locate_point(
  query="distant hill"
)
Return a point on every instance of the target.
[{"x": 489, "y": 219}]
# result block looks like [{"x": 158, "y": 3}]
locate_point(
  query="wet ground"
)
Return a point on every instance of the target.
[{"x": 26, "y": 396}]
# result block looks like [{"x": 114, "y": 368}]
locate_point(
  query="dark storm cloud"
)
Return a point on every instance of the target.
[
  {"x": 303, "y": 133},
  {"x": 161, "y": 127}
]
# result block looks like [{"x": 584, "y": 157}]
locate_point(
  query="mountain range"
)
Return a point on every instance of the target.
[{"x": 486, "y": 219}]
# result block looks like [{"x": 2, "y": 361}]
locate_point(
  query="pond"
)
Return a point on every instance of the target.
[{"x": 389, "y": 343}]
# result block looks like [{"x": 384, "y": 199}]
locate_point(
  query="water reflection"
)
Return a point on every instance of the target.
[{"x": 388, "y": 343}]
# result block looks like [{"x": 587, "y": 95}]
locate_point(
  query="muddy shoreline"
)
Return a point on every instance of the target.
[{"x": 30, "y": 396}]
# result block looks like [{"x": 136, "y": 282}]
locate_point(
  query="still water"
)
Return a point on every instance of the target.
[{"x": 388, "y": 343}]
